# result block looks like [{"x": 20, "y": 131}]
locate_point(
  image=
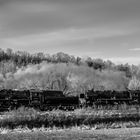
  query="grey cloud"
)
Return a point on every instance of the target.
[
  {"x": 21, "y": 17},
  {"x": 134, "y": 49}
]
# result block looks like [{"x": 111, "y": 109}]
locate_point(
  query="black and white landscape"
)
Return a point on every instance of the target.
[{"x": 69, "y": 65}]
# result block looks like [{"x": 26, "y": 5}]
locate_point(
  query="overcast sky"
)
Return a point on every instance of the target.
[{"x": 108, "y": 29}]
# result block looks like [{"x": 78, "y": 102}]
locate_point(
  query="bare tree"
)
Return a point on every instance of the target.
[{"x": 134, "y": 84}]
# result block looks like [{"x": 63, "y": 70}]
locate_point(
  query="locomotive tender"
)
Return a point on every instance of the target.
[{"x": 53, "y": 99}]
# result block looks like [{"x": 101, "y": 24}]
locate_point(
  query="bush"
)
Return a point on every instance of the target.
[{"x": 57, "y": 118}]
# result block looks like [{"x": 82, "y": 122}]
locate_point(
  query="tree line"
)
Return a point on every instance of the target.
[
  {"x": 64, "y": 72},
  {"x": 22, "y": 58}
]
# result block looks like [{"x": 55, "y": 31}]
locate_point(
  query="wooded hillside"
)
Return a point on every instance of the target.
[{"x": 22, "y": 70}]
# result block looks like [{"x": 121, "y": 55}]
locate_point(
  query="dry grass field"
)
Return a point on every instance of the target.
[
  {"x": 74, "y": 134},
  {"x": 24, "y": 117},
  {"x": 81, "y": 124}
]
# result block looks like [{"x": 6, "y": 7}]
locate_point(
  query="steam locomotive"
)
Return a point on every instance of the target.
[
  {"x": 53, "y": 99},
  {"x": 112, "y": 97},
  {"x": 39, "y": 99}
]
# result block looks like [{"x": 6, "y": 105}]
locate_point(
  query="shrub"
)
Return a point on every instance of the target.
[{"x": 58, "y": 118}]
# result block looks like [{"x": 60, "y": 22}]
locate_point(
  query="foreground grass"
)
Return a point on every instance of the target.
[
  {"x": 75, "y": 134},
  {"x": 91, "y": 118},
  {"x": 55, "y": 136}
]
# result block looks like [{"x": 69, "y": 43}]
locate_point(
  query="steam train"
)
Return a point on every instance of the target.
[
  {"x": 39, "y": 99},
  {"x": 53, "y": 99}
]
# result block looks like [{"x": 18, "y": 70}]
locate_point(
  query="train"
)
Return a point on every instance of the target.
[
  {"x": 111, "y": 97},
  {"x": 38, "y": 99},
  {"x": 55, "y": 99}
]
